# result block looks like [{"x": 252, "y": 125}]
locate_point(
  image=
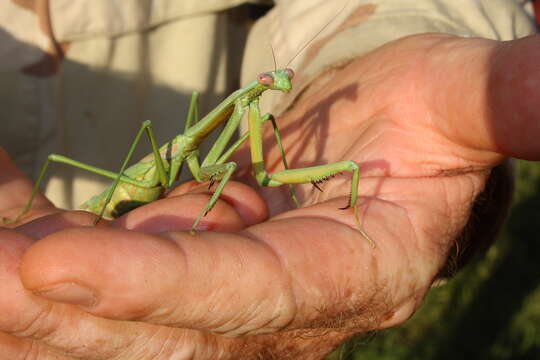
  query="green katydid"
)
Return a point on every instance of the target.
[{"x": 147, "y": 180}]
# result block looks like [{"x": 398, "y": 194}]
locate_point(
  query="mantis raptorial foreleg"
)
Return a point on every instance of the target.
[
  {"x": 214, "y": 167},
  {"x": 222, "y": 172},
  {"x": 279, "y": 144}
]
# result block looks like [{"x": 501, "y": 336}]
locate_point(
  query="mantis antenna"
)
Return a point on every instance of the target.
[
  {"x": 273, "y": 56},
  {"x": 317, "y": 34}
]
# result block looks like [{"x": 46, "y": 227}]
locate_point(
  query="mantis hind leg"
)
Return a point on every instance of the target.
[
  {"x": 67, "y": 161},
  {"x": 162, "y": 174},
  {"x": 315, "y": 175},
  {"x": 35, "y": 190},
  {"x": 279, "y": 143}
]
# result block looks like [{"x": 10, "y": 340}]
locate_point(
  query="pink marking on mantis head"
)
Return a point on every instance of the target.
[{"x": 277, "y": 80}]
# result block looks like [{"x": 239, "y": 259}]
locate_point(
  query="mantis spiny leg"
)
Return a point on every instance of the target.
[
  {"x": 213, "y": 171},
  {"x": 192, "y": 117},
  {"x": 312, "y": 174},
  {"x": 221, "y": 172},
  {"x": 161, "y": 172},
  {"x": 279, "y": 143},
  {"x": 77, "y": 164}
]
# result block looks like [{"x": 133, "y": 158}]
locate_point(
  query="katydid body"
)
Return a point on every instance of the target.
[{"x": 145, "y": 181}]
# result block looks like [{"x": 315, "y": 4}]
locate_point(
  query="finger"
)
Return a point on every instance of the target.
[
  {"x": 490, "y": 103},
  {"x": 291, "y": 272},
  {"x": 49, "y": 224},
  {"x": 14, "y": 348},
  {"x": 176, "y": 268},
  {"x": 20, "y": 310},
  {"x": 243, "y": 198},
  {"x": 514, "y": 98},
  {"x": 237, "y": 207},
  {"x": 33, "y": 327}
]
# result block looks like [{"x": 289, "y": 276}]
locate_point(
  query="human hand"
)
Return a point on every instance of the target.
[
  {"x": 425, "y": 128},
  {"x": 67, "y": 332}
]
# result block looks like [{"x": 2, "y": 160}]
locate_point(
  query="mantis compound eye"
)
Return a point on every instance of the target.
[
  {"x": 290, "y": 73},
  {"x": 265, "y": 79}
]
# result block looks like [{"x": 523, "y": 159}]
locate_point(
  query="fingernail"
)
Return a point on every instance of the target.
[{"x": 70, "y": 293}]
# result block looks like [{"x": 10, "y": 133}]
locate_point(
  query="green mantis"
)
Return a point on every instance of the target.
[{"x": 147, "y": 180}]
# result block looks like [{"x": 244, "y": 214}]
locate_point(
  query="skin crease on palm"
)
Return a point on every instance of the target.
[{"x": 426, "y": 117}]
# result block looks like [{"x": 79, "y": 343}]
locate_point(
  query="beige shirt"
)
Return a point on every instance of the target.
[{"x": 79, "y": 77}]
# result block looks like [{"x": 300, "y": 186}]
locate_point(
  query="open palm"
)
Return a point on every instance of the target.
[{"x": 426, "y": 117}]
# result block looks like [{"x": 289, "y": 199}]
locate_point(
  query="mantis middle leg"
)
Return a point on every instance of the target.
[{"x": 312, "y": 174}]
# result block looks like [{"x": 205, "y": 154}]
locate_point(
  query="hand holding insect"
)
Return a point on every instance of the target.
[{"x": 397, "y": 112}]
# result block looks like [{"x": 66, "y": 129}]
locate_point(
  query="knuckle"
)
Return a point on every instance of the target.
[
  {"x": 34, "y": 350},
  {"x": 160, "y": 344},
  {"x": 39, "y": 326}
]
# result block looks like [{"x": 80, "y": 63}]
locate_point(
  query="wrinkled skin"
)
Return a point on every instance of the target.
[{"x": 426, "y": 117}]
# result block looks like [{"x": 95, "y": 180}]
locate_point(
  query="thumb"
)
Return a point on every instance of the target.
[{"x": 491, "y": 102}]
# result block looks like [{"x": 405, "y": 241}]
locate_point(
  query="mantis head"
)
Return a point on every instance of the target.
[{"x": 277, "y": 79}]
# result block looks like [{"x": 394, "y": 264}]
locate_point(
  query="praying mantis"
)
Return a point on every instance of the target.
[{"x": 148, "y": 179}]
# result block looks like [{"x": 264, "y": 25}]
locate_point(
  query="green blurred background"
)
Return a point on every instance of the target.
[{"x": 490, "y": 310}]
